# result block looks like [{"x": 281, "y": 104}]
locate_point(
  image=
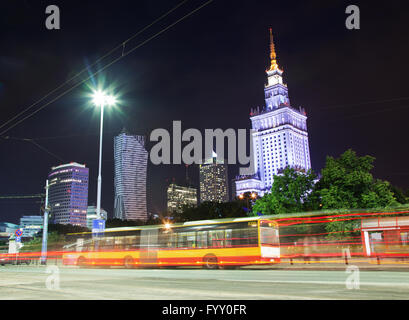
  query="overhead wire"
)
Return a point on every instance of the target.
[{"x": 123, "y": 43}]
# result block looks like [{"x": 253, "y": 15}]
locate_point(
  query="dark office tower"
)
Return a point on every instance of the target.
[
  {"x": 131, "y": 161},
  {"x": 68, "y": 194},
  {"x": 213, "y": 180}
]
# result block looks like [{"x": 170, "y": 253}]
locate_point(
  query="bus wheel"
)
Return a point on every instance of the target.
[
  {"x": 210, "y": 261},
  {"x": 129, "y": 262},
  {"x": 81, "y": 262}
]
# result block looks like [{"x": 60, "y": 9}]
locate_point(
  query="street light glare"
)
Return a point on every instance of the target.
[
  {"x": 99, "y": 98},
  {"x": 110, "y": 100}
]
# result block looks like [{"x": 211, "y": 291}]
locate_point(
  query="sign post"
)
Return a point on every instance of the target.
[
  {"x": 98, "y": 229},
  {"x": 45, "y": 227}
]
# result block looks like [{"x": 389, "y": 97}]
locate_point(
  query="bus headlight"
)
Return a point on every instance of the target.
[{"x": 270, "y": 252}]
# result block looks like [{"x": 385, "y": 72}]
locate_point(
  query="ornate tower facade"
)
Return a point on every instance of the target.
[{"x": 280, "y": 137}]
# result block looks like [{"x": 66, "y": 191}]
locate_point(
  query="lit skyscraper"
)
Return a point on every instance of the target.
[
  {"x": 280, "y": 137},
  {"x": 214, "y": 184},
  {"x": 68, "y": 194},
  {"x": 179, "y": 196},
  {"x": 131, "y": 161}
]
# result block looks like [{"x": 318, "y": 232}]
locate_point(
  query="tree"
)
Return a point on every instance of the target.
[
  {"x": 291, "y": 192},
  {"x": 347, "y": 183},
  {"x": 399, "y": 194}
]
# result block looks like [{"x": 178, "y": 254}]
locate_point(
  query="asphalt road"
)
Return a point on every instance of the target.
[{"x": 31, "y": 282}]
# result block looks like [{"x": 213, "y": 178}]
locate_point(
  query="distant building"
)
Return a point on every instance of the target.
[
  {"x": 214, "y": 185},
  {"x": 280, "y": 137},
  {"x": 92, "y": 215},
  {"x": 7, "y": 229},
  {"x": 31, "y": 225},
  {"x": 179, "y": 196},
  {"x": 131, "y": 161},
  {"x": 68, "y": 194}
]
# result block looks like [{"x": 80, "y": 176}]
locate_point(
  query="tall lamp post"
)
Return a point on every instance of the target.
[{"x": 101, "y": 99}]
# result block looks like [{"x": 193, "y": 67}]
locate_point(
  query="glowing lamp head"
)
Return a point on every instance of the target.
[
  {"x": 99, "y": 98},
  {"x": 167, "y": 226},
  {"x": 254, "y": 195},
  {"x": 241, "y": 196}
]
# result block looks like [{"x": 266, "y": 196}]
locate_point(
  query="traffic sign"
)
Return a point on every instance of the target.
[
  {"x": 18, "y": 233},
  {"x": 18, "y": 239},
  {"x": 98, "y": 227}
]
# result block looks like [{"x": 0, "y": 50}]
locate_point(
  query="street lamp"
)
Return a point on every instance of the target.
[{"x": 101, "y": 99}]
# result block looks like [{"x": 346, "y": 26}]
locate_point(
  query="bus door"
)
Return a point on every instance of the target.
[{"x": 149, "y": 246}]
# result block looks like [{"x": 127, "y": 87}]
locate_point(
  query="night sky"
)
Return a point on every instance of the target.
[{"x": 207, "y": 71}]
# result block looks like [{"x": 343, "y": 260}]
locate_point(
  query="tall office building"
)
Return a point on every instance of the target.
[
  {"x": 131, "y": 161},
  {"x": 179, "y": 196},
  {"x": 280, "y": 137},
  {"x": 68, "y": 194},
  {"x": 214, "y": 184}
]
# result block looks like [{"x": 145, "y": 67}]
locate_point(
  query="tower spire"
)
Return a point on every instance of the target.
[{"x": 273, "y": 55}]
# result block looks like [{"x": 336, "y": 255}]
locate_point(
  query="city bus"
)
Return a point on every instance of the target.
[{"x": 211, "y": 244}]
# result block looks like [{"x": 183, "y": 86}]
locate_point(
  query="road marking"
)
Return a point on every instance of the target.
[{"x": 384, "y": 284}]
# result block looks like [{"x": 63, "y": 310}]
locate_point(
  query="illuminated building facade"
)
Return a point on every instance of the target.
[
  {"x": 131, "y": 161},
  {"x": 68, "y": 194},
  {"x": 214, "y": 184},
  {"x": 31, "y": 225},
  {"x": 280, "y": 137},
  {"x": 179, "y": 196}
]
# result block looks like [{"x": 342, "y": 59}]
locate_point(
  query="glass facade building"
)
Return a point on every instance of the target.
[
  {"x": 68, "y": 194},
  {"x": 131, "y": 162}
]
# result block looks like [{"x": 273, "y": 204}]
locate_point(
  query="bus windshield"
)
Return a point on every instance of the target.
[{"x": 268, "y": 233}]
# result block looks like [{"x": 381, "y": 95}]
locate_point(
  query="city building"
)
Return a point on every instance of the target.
[
  {"x": 214, "y": 185},
  {"x": 131, "y": 161},
  {"x": 68, "y": 194},
  {"x": 179, "y": 196},
  {"x": 92, "y": 215},
  {"x": 31, "y": 225},
  {"x": 7, "y": 229},
  {"x": 280, "y": 137}
]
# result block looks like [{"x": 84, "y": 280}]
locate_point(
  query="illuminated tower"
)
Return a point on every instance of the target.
[
  {"x": 68, "y": 194},
  {"x": 131, "y": 161},
  {"x": 213, "y": 180},
  {"x": 280, "y": 137}
]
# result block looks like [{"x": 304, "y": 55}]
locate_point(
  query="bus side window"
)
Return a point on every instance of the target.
[
  {"x": 238, "y": 237},
  {"x": 228, "y": 236},
  {"x": 202, "y": 239},
  {"x": 164, "y": 240},
  {"x": 191, "y": 239},
  {"x": 252, "y": 236},
  {"x": 182, "y": 240},
  {"x": 216, "y": 238}
]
